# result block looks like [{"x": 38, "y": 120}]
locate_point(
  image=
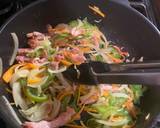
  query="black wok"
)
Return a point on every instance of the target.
[{"x": 122, "y": 25}]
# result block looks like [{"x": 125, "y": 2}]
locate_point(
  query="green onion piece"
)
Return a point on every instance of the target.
[
  {"x": 137, "y": 91},
  {"x": 99, "y": 58}
]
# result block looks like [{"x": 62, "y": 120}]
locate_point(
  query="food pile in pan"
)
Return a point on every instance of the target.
[{"x": 47, "y": 100}]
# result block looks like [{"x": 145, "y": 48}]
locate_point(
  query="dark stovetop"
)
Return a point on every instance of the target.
[{"x": 149, "y": 8}]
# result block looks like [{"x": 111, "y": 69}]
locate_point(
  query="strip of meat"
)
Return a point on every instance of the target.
[
  {"x": 61, "y": 120},
  {"x": 35, "y": 39},
  {"x": 75, "y": 55},
  {"x": 22, "y": 59},
  {"x": 54, "y": 65},
  {"x": 24, "y": 51},
  {"x": 39, "y": 61}
]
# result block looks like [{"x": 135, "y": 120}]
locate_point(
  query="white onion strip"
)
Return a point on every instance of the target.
[
  {"x": 19, "y": 100},
  {"x": 56, "y": 109},
  {"x": 1, "y": 67},
  {"x": 64, "y": 82},
  {"x": 123, "y": 95},
  {"x": 113, "y": 124},
  {"x": 57, "y": 71},
  {"x": 16, "y": 45}
]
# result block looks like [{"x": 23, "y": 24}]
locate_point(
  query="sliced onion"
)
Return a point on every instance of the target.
[
  {"x": 38, "y": 112},
  {"x": 91, "y": 93},
  {"x": 58, "y": 86},
  {"x": 113, "y": 124},
  {"x": 118, "y": 94},
  {"x": 78, "y": 72},
  {"x": 63, "y": 81},
  {"x": 106, "y": 58},
  {"x": 52, "y": 91},
  {"x": 16, "y": 45},
  {"x": 104, "y": 38},
  {"x": 1, "y": 67},
  {"x": 101, "y": 101},
  {"x": 43, "y": 64},
  {"x": 19, "y": 74},
  {"x": 34, "y": 72},
  {"x": 57, "y": 71},
  {"x": 18, "y": 97},
  {"x": 94, "y": 115},
  {"x": 55, "y": 110},
  {"x": 17, "y": 67},
  {"x": 98, "y": 20},
  {"x": 29, "y": 111}
]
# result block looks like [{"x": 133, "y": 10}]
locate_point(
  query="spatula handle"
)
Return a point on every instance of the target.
[
  {"x": 148, "y": 78},
  {"x": 149, "y": 65},
  {"x": 101, "y": 67}
]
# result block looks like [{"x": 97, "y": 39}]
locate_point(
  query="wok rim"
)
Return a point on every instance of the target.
[{"x": 127, "y": 7}]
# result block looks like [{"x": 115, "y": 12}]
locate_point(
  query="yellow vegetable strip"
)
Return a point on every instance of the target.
[
  {"x": 8, "y": 74},
  {"x": 33, "y": 80},
  {"x": 29, "y": 66},
  {"x": 97, "y": 10}
]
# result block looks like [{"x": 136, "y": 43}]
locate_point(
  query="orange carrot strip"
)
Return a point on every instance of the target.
[
  {"x": 65, "y": 62},
  {"x": 78, "y": 115},
  {"x": 29, "y": 66},
  {"x": 63, "y": 94},
  {"x": 33, "y": 80}
]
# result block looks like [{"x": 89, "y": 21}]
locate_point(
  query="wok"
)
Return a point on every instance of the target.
[{"x": 122, "y": 25}]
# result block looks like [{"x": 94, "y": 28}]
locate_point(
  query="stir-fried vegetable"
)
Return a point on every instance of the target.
[
  {"x": 47, "y": 99},
  {"x": 16, "y": 45}
]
